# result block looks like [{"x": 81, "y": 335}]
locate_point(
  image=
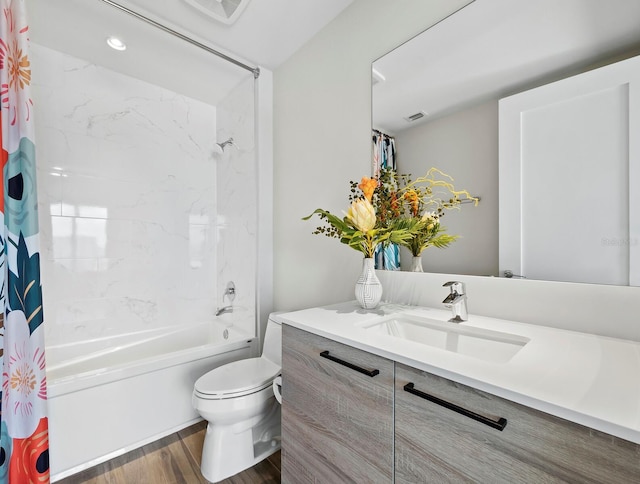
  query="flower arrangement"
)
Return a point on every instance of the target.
[
  {"x": 424, "y": 201},
  {"x": 395, "y": 210},
  {"x": 362, "y": 228}
]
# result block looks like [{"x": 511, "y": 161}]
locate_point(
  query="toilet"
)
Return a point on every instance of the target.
[{"x": 238, "y": 402}]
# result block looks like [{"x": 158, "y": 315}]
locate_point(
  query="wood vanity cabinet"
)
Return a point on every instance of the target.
[
  {"x": 340, "y": 424},
  {"x": 337, "y": 412},
  {"x": 448, "y": 432}
]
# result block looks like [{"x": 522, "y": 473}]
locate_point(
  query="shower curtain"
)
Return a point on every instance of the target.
[
  {"x": 24, "y": 457},
  {"x": 384, "y": 156}
]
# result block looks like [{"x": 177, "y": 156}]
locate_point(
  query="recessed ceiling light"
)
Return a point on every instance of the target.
[{"x": 116, "y": 43}]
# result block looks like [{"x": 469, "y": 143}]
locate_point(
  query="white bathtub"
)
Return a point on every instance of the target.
[{"x": 111, "y": 395}]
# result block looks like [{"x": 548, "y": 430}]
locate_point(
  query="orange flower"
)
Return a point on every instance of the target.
[
  {"x": 414, "y": 201},
  {"x": 19, "y": 68},
  {"x": 368, "y": 185}
]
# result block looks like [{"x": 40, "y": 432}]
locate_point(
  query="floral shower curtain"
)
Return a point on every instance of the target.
[
  {"x": 24, "y": 457},
  {"x": 384, "y": 156}
]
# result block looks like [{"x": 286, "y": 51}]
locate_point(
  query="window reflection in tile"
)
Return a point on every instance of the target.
[{"x": 80, "y": 236}]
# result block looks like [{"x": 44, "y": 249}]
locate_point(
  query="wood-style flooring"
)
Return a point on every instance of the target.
[{"x": 174, "y": 459}]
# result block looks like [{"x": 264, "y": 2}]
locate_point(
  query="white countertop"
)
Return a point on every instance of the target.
[{"x": 588, "y": 379}]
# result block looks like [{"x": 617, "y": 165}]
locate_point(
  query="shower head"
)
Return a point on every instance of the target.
[{"x": 219, "y": 147}]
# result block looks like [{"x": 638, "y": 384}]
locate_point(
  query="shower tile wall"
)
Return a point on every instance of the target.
[{"x": 126, "y": 182}]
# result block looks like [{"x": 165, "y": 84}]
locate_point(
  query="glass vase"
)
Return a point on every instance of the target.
[{"x": 416, "y": 264}]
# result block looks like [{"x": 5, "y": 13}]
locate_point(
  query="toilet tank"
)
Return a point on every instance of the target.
[{"x": 272, "y": 349}]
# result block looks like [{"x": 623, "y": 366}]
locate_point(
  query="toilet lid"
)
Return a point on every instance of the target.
[{"x": 237, "y": 378}]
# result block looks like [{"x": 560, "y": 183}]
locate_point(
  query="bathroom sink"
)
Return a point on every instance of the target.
[{"x": 484, "y": 344}]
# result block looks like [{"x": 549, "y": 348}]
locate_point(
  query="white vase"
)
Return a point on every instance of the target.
[
  {"x": 416, "y": 264},
  {"x": 368, "y": 287}
]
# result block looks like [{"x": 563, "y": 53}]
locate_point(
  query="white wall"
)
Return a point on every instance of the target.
[
  {"x": 322, "y": 127},
  {"x": 465, "y": 146},
  {"x": 264, "y": 281}
]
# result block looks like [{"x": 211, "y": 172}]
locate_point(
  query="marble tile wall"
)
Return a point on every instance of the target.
[{"x": 128, "y": 205}]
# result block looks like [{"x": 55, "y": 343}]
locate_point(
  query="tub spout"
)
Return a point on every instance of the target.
[{"x": 224, "y": 310}]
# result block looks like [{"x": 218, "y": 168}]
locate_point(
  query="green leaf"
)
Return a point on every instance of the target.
[
  {"x": 337, "y": 222},
  {"x": 443, "y": 240},
  {"x": 24, "y": 289}
]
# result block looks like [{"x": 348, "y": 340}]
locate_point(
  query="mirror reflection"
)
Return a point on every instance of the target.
[{"x": 438, "y": 96}]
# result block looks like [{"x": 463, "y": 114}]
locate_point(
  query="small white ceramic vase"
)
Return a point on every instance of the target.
[
  {"x": 368, "y": 287},
  {"x": 416, "y": 264}
]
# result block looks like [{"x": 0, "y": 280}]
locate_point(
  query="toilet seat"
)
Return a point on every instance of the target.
[{"x": 236, "y": 379}]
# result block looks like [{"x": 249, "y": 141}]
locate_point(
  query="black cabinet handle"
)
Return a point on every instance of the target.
[
  {"x": 499, "y": 424},
  {"x": 371, "y": 373}
]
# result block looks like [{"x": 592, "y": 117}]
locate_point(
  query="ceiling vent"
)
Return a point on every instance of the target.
[
  {"x": 225, "y": 11},
  {"x": 415, "y": 117}
]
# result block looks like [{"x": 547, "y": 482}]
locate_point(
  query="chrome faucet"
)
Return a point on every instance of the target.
[
  {"x": 229, "y": 292},
  {"x": 457, "y": 301}
]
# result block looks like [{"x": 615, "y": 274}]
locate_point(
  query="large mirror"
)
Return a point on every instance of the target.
[{"x": 438, "y": 95}]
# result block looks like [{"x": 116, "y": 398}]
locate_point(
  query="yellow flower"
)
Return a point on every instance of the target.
[
  {"x": 431, "y": 218},
  {"x": 362, "y": 214},
  {"x": 368, "y": 185}
]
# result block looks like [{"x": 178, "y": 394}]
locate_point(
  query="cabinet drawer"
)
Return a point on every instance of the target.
[
  {"x": 337, "y": 412},
  {"x": 454, "y": 442}
]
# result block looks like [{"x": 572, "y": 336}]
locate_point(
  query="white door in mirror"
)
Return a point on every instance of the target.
[{"x": 569, "y": 185}]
